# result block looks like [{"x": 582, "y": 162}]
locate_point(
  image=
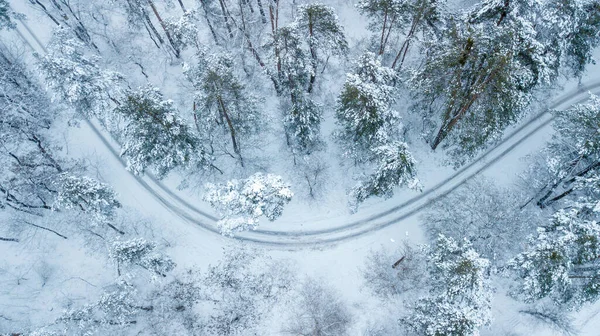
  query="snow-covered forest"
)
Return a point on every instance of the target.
[{"x": 270, "y": 167}]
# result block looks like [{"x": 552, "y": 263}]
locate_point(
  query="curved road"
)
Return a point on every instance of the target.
[{"x": 360, "y": 227}]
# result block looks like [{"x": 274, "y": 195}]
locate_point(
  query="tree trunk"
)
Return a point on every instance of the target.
[
  {"x": 9, "y": 239},
  {"x": 262, "y": 11},
  {"x": 404, "y": 49},
  {"x": 236, "y": 148},
  {"x": 164, "y": 27},
  {"x": 150, "y": 25},
  {"x": 313, "y": 54},
  {"x": 45, "y": 10},
  {"x": 475, "y": 89},
  {"x": 225, "y": 17},
  {"x": 210, "y": 25},
  {"x": 86, "y": 38},
  {"x": 542, "y": 203},
  {"x": 381, "y": 46}
]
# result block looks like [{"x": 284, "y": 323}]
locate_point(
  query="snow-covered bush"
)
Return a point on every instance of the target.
[
  {"x": 319, "y": 311},
  {"x": 488, "y": 215},
  {"x": 142, "y": 253},
  {"x": 392, "y": 273},
  {"x": 241, "y": 203}
]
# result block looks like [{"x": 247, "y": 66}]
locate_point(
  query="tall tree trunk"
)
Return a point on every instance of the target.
[
  {"x": 207, "y": 17},
  {"x": 385, "y": 18},
  {"x": 45, "y": 10},
  {"x": 85, "y": 36},
  {"x": 150, "y": 25},
  {"x": 182, "y": 5},
  {"x": 225, "y": 17},
  {"x": 404, "y": 49},
  {"x": 164, "y": 27},
  {"x": 236, "y": 148},
  {"x": 262, "y": 11},
  {"x": 451, "y": 120},
  {"x": 273, "y": 17},
  {"x": 313, "y": 54}
]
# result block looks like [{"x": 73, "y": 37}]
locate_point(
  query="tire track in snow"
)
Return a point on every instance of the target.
[{"x": 356, "y": 228}]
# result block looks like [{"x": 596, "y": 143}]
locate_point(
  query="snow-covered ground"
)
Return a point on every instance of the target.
[{"x": 192, "y": 245}]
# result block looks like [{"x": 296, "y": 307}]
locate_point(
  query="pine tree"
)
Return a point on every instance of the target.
[
  {"x": 88, "y": 196},
  {"x": 364, "y": 109},
  {"x": 155, "y": 136},
  {"x": 583, "y": 38},
  {"x": 325, "y": 35},
  {"x": 224, "y": 106},
  {"x": 390, "y": 19},
  {"x": 184, "y": 31},
  {"x": 302, "y": 124},
  {"x": 395, "y": 167},
  {"x": 425, "y": 18},
  {"x": 302, "y": 116},
  {"x": 562, "y": 261},
  {"x": 77, "y": 78},
  {"x": 479, "y": 79},
  {"x": 241, "y": 203},
  {"x": 573, "y": 153},
  {"x": 459, "y": 302},
  {"x": 137, "y": 15}
]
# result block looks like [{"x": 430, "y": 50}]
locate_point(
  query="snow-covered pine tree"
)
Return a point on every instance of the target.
[
  {"x": 241, "y": 203},
  {"x": 88, "y": 196},
  {"x": 425, "y": 18},
  {"x": 573, "y": 153},
  {"x": 325, "y": 36},
  {"x": 395, "y": 167},
  {"x": 459, "y": 302},
  {"x": 142, "y": 253},
  {"x": 478, "y": 79},
  {"x": 584, "y": 37},
  {"x": 302, "y": 116},
  {"x": 390, "y": 19},
  {"x": 364, "y": 109},
  {"x": 302, "y": 124},
  {"x": 183, "y": 30},
  {"x": 225, "y": 110},
  {"x": 78, "y": 78},
  {"x": 562, "y": 262},
  {"x": 387, "y": 18},
  {"x": 155, "y": 136}
]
